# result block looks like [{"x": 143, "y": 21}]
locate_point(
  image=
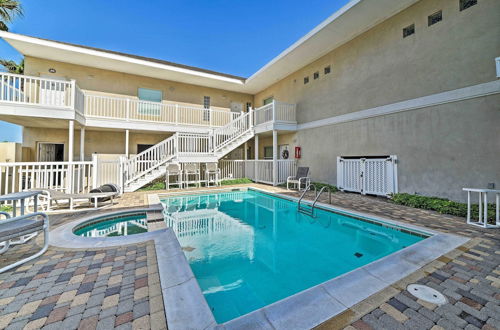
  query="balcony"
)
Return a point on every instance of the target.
[{"x": 60, "y": 99}]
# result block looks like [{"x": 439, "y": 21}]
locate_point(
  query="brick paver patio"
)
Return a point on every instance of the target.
[{"x": 119, "y": 287}]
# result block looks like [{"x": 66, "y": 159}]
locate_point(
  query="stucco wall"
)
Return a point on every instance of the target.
[
  {"x": 123, "y": 84},
  {"x": 381, "y": 67},
  {"x": 10, "y": 152},
  {"x": 440, "y": 149},
  {"x": 101, "y": 142}
]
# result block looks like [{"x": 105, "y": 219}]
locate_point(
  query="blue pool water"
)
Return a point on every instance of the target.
[{"x": 249, "y": 249}]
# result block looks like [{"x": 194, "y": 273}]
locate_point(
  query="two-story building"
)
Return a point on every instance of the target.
[{"x": 381, "y": 97}]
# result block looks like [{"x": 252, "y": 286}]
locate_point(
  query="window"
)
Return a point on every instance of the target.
[
  {"x": 328, "y": 69},
  {"x": 316, "y": 75},
  {"x": 268, "y": 100},
  {"x": 268, "y": 152},
  {"x": 149, "y": 96},
  {"x": 464, "y": 4},
  {"x": 306, "y": 80},
  {"x": 248, "y": 106},
  {"x": 409, "y": 30},
  {"x": 434, "y": 18},
  {"x": 206, "y": 105}
]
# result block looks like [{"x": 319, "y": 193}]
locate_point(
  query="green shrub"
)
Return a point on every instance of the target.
[
  {"x": 154, "y": 186},
  {"x": 5, "y": 208},
  {"x": 235, "y": 181},
  {"x": 441, "y": 205},
  {"x": 320, "y": 185}
]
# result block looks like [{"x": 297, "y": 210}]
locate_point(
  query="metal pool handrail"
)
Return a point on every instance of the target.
[{"x": 302, "y": 209}]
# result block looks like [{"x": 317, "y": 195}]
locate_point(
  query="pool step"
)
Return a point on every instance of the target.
[{"x": 154, "y": 216}]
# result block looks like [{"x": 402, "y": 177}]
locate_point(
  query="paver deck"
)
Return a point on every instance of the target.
[{"x": 119, "y": 287}]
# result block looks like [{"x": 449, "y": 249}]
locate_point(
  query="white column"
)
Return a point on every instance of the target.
[
  {"x": 69, "y": 177},
  {"x": 71, "y": 140},
  {"x": 256, "y": 138},
  {"x": 82, "y": 144},
  {"x": 275, "y": 157},
  {"x": 127, "y": 138}
]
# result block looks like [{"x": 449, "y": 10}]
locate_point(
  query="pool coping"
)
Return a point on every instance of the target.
[
  {"x": 186, "y": 307},
  {"x": 63, "y": 236}
]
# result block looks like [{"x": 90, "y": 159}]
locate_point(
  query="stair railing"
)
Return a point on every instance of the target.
[
  {"x": 226, "y": 134},
  {"x": 149, "y": 159}
]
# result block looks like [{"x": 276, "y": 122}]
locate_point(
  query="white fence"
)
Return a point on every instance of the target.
[
  {"x": 73, "y": 177},
  {"x": 258, "y": 171},
  {"x": 376, "y": 176}
]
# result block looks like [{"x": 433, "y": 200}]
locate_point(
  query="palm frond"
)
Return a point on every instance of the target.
[{"x": 9, "y": 9}]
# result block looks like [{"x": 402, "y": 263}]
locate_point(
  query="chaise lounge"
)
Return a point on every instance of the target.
[{"x": 20, "y": 226}]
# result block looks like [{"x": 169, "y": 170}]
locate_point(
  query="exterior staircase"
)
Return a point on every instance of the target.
[{"x": 152, "y": 163}]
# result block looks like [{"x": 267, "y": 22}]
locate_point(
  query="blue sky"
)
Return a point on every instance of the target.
[{"x": 236, "y": 37}]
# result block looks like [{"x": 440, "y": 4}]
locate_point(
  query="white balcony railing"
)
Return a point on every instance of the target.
[
  {"x": 102, "y": 106},
  {"x": 275, "y": 112},
  {"x": 21, "y": 89},
  {"x": 55, "y": 93}
]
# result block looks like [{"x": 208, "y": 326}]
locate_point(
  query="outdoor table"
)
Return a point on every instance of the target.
[
  {"x": 21, "y": 197},
  {"x": 483, "y": 211}
]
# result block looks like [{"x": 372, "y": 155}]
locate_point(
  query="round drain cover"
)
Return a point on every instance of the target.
[{"x": 427, "y": 294}]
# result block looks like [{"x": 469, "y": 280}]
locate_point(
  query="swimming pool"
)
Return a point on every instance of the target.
[{"x": 248, "y": 249}]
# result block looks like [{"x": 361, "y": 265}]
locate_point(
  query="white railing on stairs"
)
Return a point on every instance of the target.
[
  {"x": 225, "y": 135},
  {"x": 148, "y": 160}
]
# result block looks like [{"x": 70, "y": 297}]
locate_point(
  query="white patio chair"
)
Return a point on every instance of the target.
[
  {"x": 20, "y": 226},
  {"x": 301, "y": 178},
  {"x": 212, "y": 174},
  {"x": 191, "y": 175},
  {"x": 173, "y": 171}
]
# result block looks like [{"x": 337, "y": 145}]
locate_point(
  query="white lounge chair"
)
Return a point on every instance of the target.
[
  {"x": 191, "y": 175},
  {"x": 173, "y": 172},
  {"x": 20, "y": 226},
  {"x": 49, "y": 196},
  {"x": 212, "y": 174},
  {"x": 301, "y": 178}
]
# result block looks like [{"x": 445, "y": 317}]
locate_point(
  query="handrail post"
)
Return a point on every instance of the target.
[
  {"x": 210, "y": 116},
  {"x": 250, "y": 110},
  {"x": 128, "y": 110},
  {"x": 274, "y": 110},
  {"x": 177, "y": 114},
  {"x": 122, "y": 173},
  {"x": 95, "y": 170},
  {"x": 73, "y": 94}
]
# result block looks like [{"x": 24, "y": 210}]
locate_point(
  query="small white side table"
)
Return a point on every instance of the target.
[{"x": 483, "y": 210}]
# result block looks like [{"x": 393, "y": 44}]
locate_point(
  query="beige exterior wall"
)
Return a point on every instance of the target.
[
  {"x": 100, "y": 142},
  {"x": 123, "y": 84},
  {"x": 440, "y": 149},
  {"x": 381, "y": 67},
  {"x": 10, "y": 152},
  {"x": 267, "y": 141}
]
